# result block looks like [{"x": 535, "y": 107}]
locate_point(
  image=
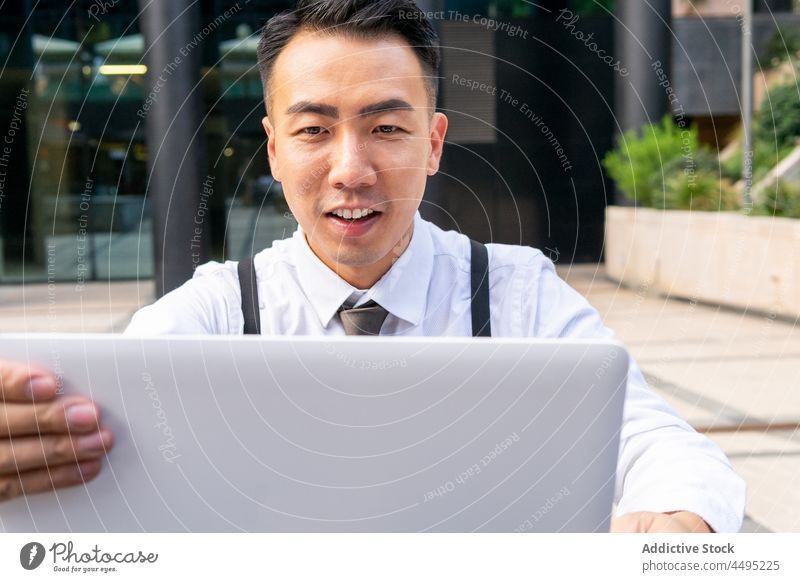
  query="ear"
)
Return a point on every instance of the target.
[
  {"x": 438, "y": 131},
  {"x": 273, "y": 159}
]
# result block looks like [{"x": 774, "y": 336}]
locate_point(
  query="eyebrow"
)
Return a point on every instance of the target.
[{"x": 331, "y": 111}]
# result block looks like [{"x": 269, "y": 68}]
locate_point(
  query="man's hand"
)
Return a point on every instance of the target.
[
  {"x": 652, "y": 522},
  {"x": 46, "y": 441}
]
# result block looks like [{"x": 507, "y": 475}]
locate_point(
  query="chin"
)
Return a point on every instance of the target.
[{"x": 356, "y": 257}]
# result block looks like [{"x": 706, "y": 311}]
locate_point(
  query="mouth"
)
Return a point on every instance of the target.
[
  {"x": 352, "y": 213},
  {"x": 353, "y": 221}
]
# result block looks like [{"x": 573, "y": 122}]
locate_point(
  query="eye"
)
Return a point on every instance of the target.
[
  {"x": 313, "y": 130},
  {"x": 388, "y": 129}
]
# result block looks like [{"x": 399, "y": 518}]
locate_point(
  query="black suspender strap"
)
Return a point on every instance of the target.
[
  {"x": 479, "y": 277},
  {"x": 481, "y": 322},
  {"x": 247, "y": 281}
]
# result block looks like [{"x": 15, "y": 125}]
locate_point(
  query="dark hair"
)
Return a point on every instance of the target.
[{"x": 363, "y": 19}]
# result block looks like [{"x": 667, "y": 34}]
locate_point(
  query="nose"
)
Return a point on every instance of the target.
[{"x": 350, "y": 164}]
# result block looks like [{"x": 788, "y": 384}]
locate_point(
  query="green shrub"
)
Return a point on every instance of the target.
[
  {"x": 781, "y": 46},
  {"x": 732, "y": 167},
  {"x": 776, "y": 127},
  {"x": 698, "y": 184},
  {"x": 637, "y": 163},
  {"x": 778, "y": 120},
  {"x": 765, "y": 157},
  {"x": 704, "y": 191},
  {"x": 783, "y": 199}
]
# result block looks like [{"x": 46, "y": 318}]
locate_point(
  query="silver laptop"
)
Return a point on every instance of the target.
[{"x": 354, "y": 434}]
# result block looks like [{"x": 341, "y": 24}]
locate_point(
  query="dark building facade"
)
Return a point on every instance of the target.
[{"x": 103, "y": 188}]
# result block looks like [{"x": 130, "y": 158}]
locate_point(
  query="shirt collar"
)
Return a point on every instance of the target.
[{"x": 402, "y": 291}]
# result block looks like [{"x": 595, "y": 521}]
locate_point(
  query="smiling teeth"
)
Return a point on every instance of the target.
[{"x": 353, "y": 214}]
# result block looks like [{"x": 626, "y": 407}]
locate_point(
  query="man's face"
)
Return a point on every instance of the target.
[{"x": 351, "y": 133}]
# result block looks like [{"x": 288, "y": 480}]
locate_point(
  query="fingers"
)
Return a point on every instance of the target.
[
  {"x": 636, "y": 522},
  {"x": 621, "y": 525},
  {"x": 690, "y": 522},
  {"x": 73, "y": 414},
  {"x": 53, "y": 442},
  {"x": 654, "y": 522},
  {"x": 41, "y": 480},
  {"x": 29, "y": 453},
  {"x": 23, "y": 383}
]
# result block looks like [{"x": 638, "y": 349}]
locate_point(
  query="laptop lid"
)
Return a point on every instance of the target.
[{"x": 354, "y": 434}]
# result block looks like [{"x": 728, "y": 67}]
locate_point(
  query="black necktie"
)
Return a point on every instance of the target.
[{"x": 364, "y": 320}]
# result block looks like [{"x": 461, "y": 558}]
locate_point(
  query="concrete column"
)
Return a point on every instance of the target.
[
  {"x": 175, "y": 154},
  {"x": 642, "y": 37}
]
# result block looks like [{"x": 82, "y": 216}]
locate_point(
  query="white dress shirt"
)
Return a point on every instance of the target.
[{"x": 664, "y": 465}]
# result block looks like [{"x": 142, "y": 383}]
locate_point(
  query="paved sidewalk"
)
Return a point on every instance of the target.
[
  {"x": 733, "y": 374},
  {"x": 61, "y": 308},
  {"x": 736, "y": 375}
]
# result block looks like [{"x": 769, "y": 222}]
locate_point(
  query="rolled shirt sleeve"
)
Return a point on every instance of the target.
[{"x": 664, "y": 465}]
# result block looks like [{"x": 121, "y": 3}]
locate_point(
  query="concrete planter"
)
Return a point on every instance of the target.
[{"x": 725, "y": 258}]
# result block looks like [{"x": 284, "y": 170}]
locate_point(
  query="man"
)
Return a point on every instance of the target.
[{"x": 352, "y": 136}]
